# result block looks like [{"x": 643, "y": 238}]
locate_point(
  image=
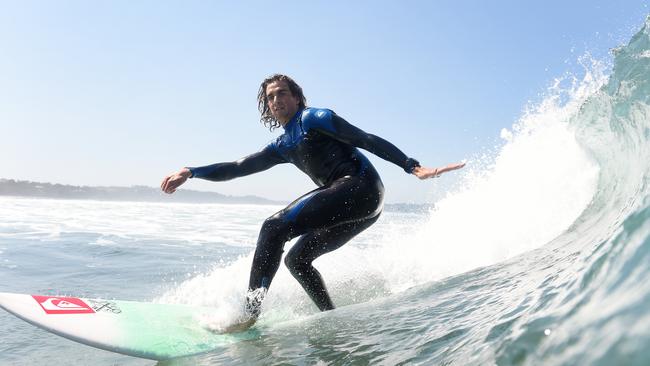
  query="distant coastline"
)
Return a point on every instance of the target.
[{"x": 21, "y": 188}]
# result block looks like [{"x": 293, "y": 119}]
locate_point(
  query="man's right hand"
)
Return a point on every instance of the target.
[
  {"x": 173, "y": 181},
  {"x": 425, "y": 173}
]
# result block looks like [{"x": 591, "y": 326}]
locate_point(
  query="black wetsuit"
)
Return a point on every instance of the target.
[{"x": 349, "y": 197}]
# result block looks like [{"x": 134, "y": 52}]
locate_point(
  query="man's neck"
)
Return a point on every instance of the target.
[{"x": 283, "y": 124}]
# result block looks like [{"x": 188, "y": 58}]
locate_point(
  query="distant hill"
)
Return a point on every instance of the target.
[
  {"x": 21, "y": 188},
  {"x": 10, "y": 187}
]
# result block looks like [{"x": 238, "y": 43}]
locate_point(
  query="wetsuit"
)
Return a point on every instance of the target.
[{"x": 349, "y": 197}]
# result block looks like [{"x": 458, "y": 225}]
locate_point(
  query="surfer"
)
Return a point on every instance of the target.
[{"x": 348, "y": 200}]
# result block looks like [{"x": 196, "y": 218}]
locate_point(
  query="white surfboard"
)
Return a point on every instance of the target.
[{"x": 146, "y": 330}]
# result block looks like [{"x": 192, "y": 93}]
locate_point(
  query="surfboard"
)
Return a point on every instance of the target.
[{"x": 145, "y": 330}]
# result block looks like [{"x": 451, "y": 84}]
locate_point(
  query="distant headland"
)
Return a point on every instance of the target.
[{"x": 21, "y": 188}]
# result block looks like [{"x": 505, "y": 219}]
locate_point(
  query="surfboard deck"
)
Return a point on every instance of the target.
[{"x": 145, "y": 330}]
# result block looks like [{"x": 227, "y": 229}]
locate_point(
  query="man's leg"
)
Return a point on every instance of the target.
[
  {"x": 311, "y": 246},
  {"x": 346, "y": 201}
]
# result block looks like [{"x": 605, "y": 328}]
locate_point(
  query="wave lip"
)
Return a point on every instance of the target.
[{"x": 592, "y": 306}]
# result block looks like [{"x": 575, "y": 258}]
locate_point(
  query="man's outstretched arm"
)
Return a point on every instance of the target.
[
  {"x": 218, "y": 172},
  {"x": 331, "y": 124}
]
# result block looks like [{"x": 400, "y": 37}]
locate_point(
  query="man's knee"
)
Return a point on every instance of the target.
[
  {"x": 294, "y": 262},
  {"x": 275, "y": 228}
]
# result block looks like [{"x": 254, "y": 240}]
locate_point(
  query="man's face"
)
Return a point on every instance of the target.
[{"x": 282, "y": 103}]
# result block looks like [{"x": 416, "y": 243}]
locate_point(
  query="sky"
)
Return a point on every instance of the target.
[{"x": 122, "y": 93}]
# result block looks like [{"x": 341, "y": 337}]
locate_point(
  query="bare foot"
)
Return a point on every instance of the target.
[{"x": 240, "y": 326}]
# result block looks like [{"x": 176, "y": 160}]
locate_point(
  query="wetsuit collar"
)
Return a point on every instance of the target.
[{"x": 293, "y": 120}]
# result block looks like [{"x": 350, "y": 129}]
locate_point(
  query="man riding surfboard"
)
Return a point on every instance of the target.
[{"x": 349, "y": 197}]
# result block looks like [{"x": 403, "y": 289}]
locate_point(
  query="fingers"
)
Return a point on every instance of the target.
[
  {"x": 168, "y": 184},
  {"x": 163, "y": 185},
  {"x": 451, "y": 167},
  {"x": 172, "y": 185},
  {"x": 457, "y": 166}
]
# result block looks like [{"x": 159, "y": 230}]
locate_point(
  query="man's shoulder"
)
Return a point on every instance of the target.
[
  {"x": 316, "y": 117},
  {"x": 316, "y": 113}
]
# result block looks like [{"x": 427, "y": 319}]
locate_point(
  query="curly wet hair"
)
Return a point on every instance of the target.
[{"x": 266, "y": 117}]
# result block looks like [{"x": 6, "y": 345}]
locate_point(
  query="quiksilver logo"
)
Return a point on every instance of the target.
[
  {"x": 54, "y": 303},
  {"x": 63, "y": 305}
]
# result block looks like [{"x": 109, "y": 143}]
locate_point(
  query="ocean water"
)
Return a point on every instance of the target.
[{"x": 541, "y": 255}]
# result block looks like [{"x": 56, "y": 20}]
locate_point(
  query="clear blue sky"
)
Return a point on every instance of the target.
[{"x": 125, "y": 92}]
